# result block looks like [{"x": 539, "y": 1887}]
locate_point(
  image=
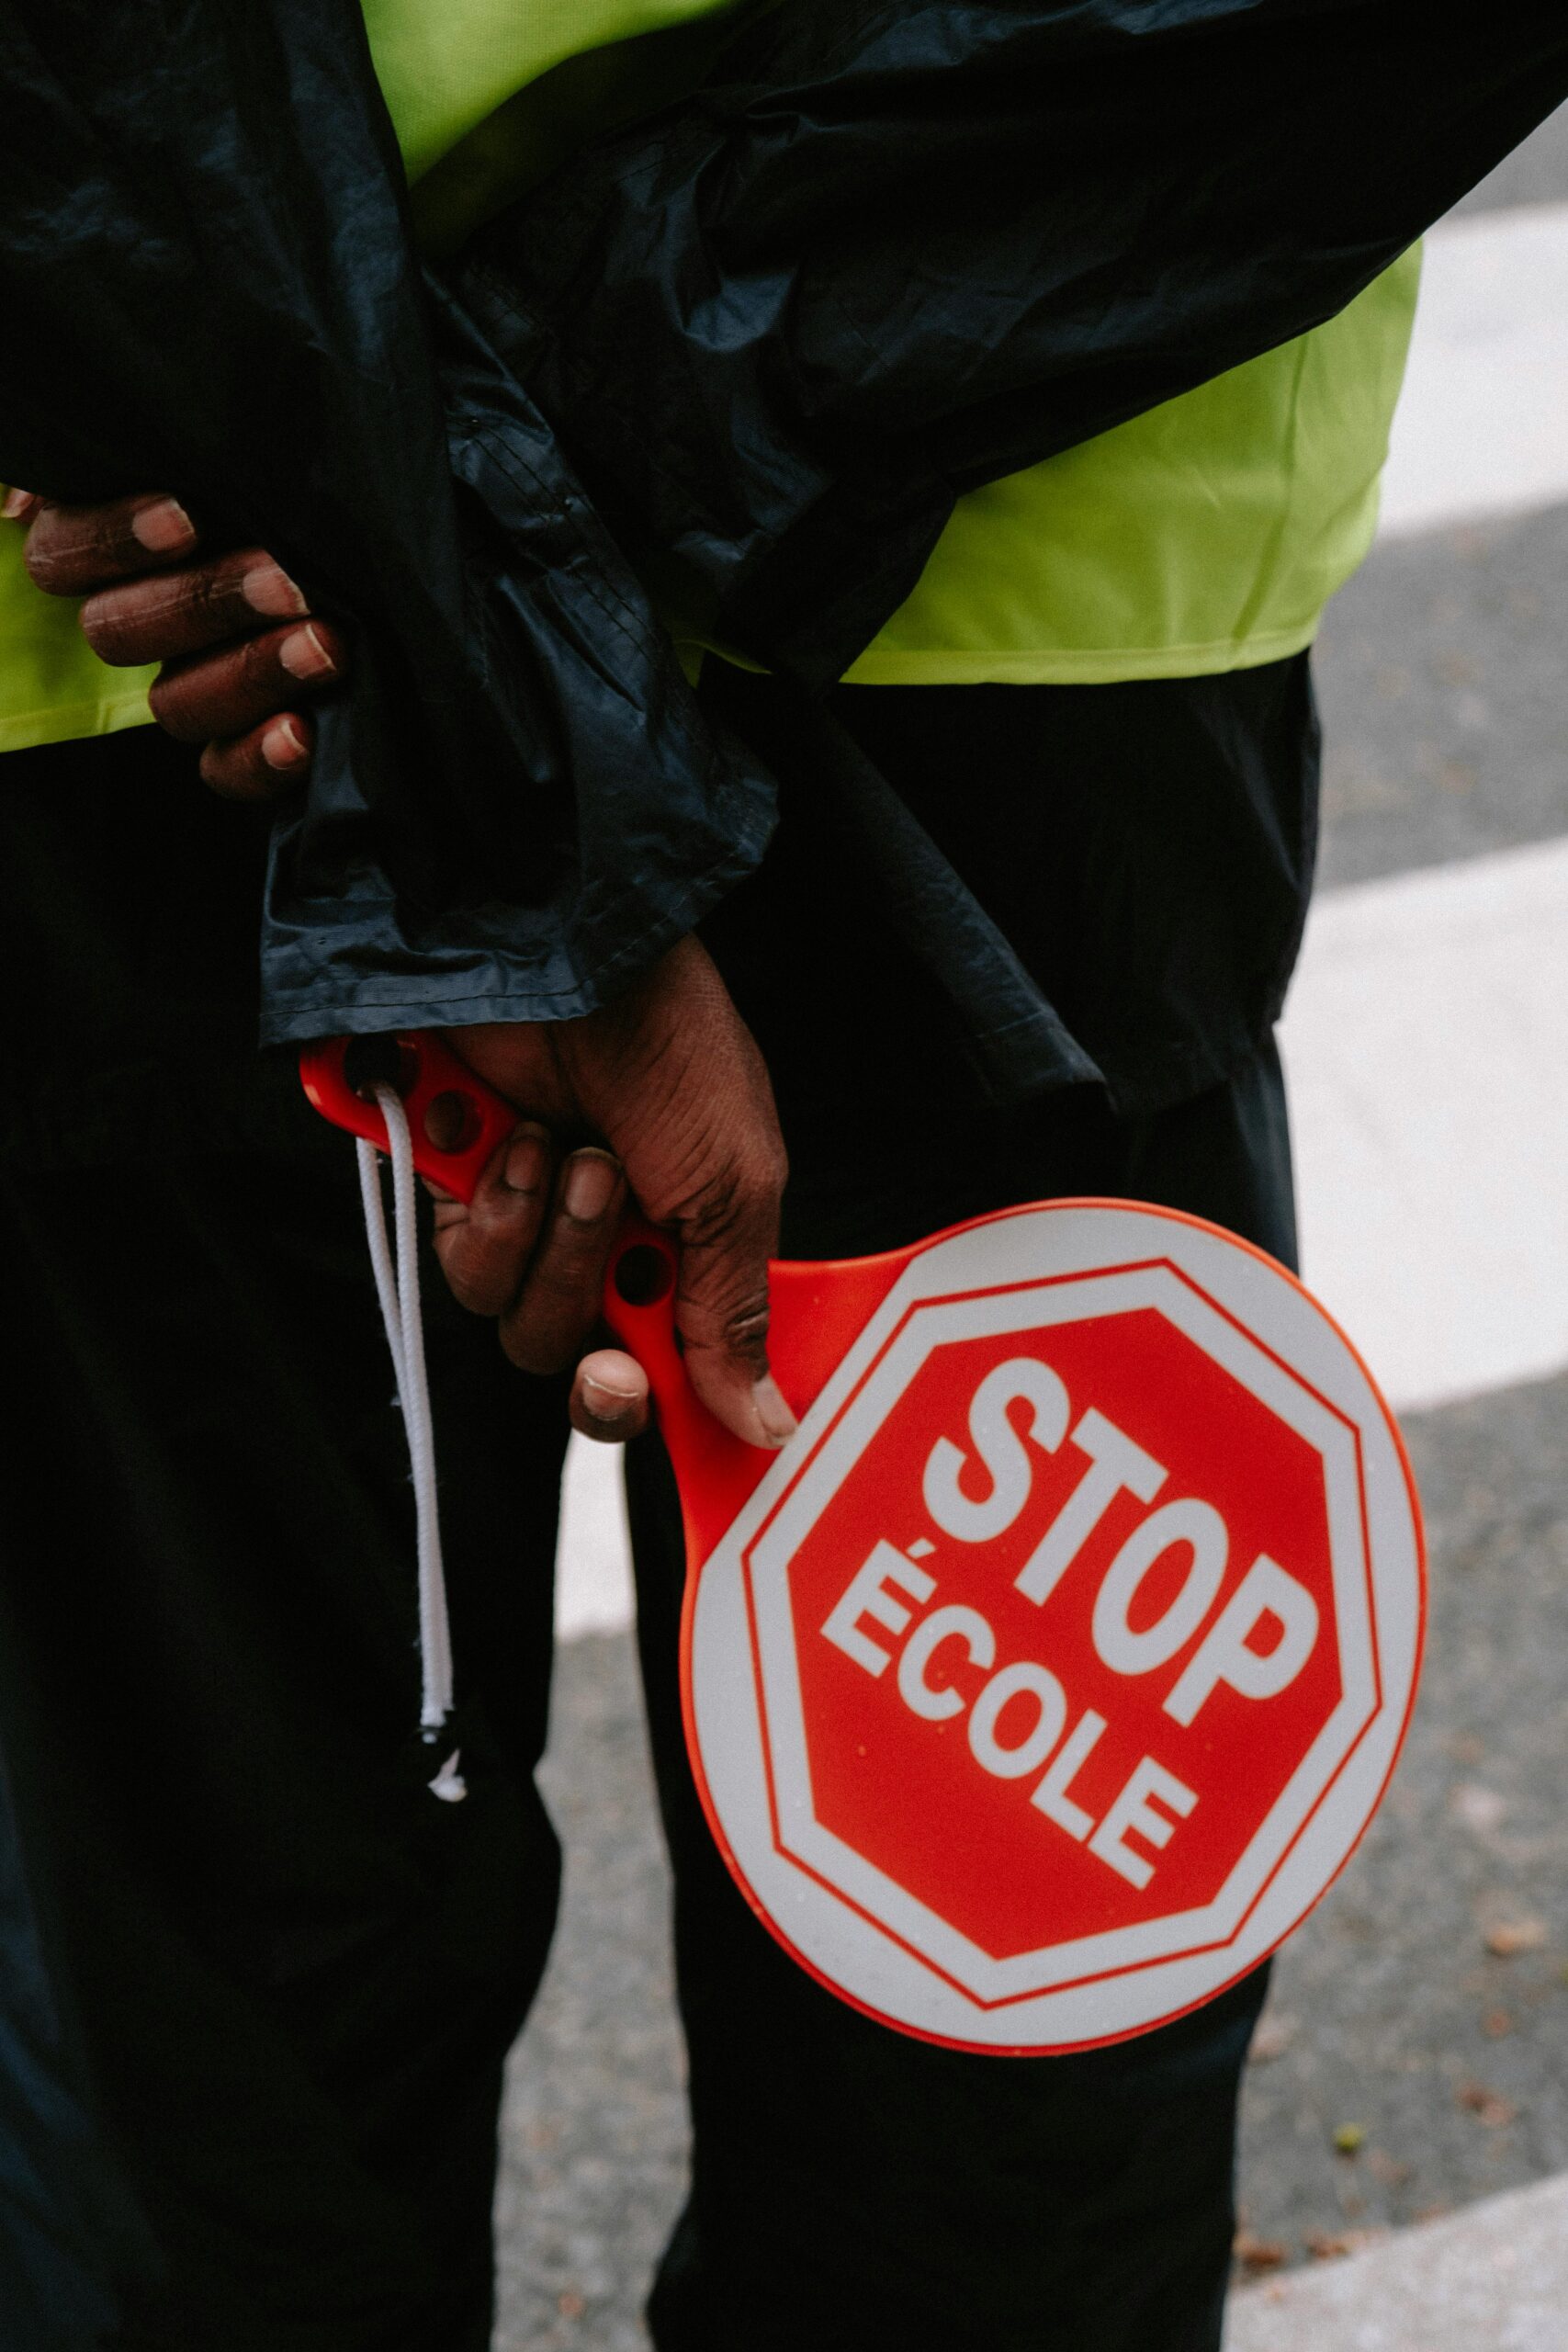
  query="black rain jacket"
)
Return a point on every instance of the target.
[{"x": 752, "y": 348}]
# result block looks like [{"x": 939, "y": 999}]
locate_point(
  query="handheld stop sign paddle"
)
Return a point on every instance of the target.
[{"x": 1045, "y": 1679}]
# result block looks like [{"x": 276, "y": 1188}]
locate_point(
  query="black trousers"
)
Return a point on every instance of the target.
[{"x": 256, "y": 1987}]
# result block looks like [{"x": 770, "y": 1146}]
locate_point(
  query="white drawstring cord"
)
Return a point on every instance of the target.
[{"x": 397, "y": 1290}]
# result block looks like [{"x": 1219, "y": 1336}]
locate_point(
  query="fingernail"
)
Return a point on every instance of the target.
[
  {"x": 606, "y": 1404},
  {"x": 527, "y": 1163},
  {"x": 304, "y": 656},
  {"x": 163, "y": 527},
  {"x": 282, "y": 746},
  {"x": 14, "y": 504},
  {"x": 778, "y": 1421},
  {"x": 269, "y": 590},
  {"x": 591, "y": 1180}
]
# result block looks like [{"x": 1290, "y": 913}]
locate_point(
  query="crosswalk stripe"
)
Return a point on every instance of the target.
[
  {"x": 1481, "y": 426},
  {"x": 1426, "y": 1048}
]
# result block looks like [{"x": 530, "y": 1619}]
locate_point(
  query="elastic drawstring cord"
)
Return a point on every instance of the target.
[{"x": 397, "y": 1290}]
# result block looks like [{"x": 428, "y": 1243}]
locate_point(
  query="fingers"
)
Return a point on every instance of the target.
[
  {"x": 271, "y": 759},
  {"x": 721, "y": 1308},
  {"x": 484, "y": 1247},
  {"x": 609, "y": 1398},
  {"x": 166, "y": 615},
  {"x": 533, "y": 1254},
  {"x": 72, "y": 550},
  {"x": 225, "y": 686},
  {"x": 228, "y": 692},
  {"x": 669, "y": 1073},
  {"x": 557, "y": 1306}
]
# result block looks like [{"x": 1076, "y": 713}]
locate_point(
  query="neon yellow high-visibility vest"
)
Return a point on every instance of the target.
[{"x": 1205, "y": 535}]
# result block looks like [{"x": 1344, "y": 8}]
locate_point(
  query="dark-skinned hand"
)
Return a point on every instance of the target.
[{"x": 662, "y": 1095}]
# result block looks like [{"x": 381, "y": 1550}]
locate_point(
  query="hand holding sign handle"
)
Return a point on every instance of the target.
[{"x": 1044, "y": 1680}]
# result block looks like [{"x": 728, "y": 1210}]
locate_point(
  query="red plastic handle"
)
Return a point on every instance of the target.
[{"x": 455, "y": 1121}]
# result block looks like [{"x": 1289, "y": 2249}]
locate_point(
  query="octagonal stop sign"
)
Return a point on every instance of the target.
[{"x": 1046, "y": 1679}]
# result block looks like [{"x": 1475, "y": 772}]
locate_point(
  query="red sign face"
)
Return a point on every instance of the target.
[
  {"x": 940, "y": 1691},
  {"x": 1040, "y": 1686}
]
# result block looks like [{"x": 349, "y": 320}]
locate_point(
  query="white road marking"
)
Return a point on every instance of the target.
[
  {"x": 593, "y": 1566},
  {"x": 1495, "y": 2275},
  {"x": 1481, "y": 427},
  {"x": 1427, "y": 1046}
]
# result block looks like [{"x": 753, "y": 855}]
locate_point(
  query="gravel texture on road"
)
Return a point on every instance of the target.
[
  {"x": 1415, "y": 2051},
  {"x": 1441, "y": 683},
  {"x": 595, "y": 2141}
]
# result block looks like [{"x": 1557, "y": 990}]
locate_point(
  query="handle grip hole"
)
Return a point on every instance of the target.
[
  {"x": 451, "y": 1121},
  {"x": 383, "y": 1060},
  {"x": 644, "y": 1275}
]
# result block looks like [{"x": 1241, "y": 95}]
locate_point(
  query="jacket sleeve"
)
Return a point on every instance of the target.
[
  {"x": 208, "y": 284},
  {"x": 891, "y": 252}
]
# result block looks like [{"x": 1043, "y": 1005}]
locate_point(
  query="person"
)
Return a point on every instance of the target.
[{"x": 259, "y": 1986}]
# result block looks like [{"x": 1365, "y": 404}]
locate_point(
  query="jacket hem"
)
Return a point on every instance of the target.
[
  {"x": 1063, "y": 666},
  {"x": 73, "y": 722}
]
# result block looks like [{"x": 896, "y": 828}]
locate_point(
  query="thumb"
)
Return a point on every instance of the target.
[{"x": 721, "y": 1314}]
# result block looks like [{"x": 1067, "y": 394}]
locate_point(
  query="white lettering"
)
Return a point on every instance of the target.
[
  {"x": 1012, "y": 1763},
  {"x": 937, "y": 1702},
  {"x": 1225, "y": 1653},
  {"x": 1132, "y": 1812},
  {"x": 1000, "y": 1449},
  {"x": 1199, "y": 1526},
  {"x": 1052, "y": 1795},
  {"x": 867, "y": 1596},
  {"x": 1114, "y": 1463}
]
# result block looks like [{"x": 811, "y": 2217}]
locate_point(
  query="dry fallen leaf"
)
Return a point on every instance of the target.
[
  {"x": 1273, "y": 2037},
  {"x": 1512, "y": 1936},
  {"x": 1329, "y": 2245},
  {"x": 1387, "y": 2168},
  {"x": 1479, "y": 1809},
  {"x": 1489, "y": 2107},
  {"x": 1256, "y": 2253},
  {"x": 1495, "y": 2023},
  {"x": 570, "y": 2304}
]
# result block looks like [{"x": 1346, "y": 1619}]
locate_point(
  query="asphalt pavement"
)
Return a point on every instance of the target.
[{"x": 1414, "y": 2057}]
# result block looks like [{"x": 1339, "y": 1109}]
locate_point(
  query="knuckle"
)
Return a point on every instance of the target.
[
  {"x": 560, "y": 1282},
  {"x": 715, "y": 1211},
  {"x": 479, "y": 1287},
  {"x": 46, "y": 561},
  {"x": 122, "y": 625},
  {"x": 102, "y": 626},
  {"x": 223, "y": 769},
  {"x": 535, "y": 1348},
  {"x": 237, "y": 771},
  {"x": 727, "y": 1308},
  {"x": 259, "y": 667},
  {"x": 170, "y": 698},
  {"x": 208, "y": 594}
]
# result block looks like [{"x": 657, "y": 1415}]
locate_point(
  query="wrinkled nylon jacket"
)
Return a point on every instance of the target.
[{"x": 760, "y": 342}]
